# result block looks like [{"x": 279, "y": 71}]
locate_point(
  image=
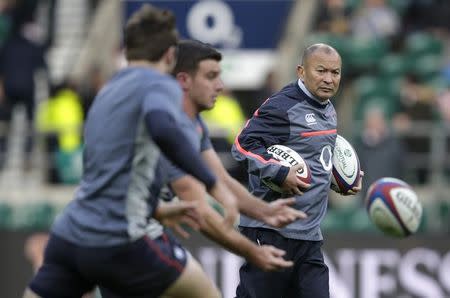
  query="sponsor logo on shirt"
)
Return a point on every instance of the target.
[{"x": 310, "y": 119}]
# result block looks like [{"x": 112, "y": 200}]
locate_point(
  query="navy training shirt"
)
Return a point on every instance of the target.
[{"x": 291, "y": 117}]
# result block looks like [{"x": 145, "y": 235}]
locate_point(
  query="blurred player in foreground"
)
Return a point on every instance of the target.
[
  {"x": 106, "y": 236},
  {"x": 301, "y": 117},
  {"x": 198, "y": 72}
]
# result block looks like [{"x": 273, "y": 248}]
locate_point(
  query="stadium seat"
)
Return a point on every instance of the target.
[
  {"x": 399, "y": 6},
  {"x": 367, "y": 86},
  {"x": 5, "y": 215},
  {"x": 340, "y": 43},
  {"x": 69, "y": 166},
  {"x": 45, "y": 213},
  {"x": 364, "y": 54},
  {"x": 360, "y": 222},
  {"x": 422, "y": 43},
  {"x": 5, "y": 27},
  {"x": 37, "y": 216},
  {"x": 426, "y": 66},
  {"x": 393, "y": 66},
  {"x": 352, "y": 4}
]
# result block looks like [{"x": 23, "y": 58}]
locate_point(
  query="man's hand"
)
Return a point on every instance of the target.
[
  {"x": 270, "y": 258},
  {"x": 357, "y": 188},
  {"x": 279, "y": 213},
  {"x": 292, "y": 185},
  {"x": 229, "y": 202},
  {"x": 174, "y": 214}
]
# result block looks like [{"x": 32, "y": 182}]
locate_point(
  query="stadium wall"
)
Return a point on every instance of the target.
[{"x": 361, "y": 265}]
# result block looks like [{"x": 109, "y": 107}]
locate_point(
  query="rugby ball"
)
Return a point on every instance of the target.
[
  {"x": 393, "y": 207},
  {"x": 288, "y": 158},
  {"x": 346, "y": 168}
]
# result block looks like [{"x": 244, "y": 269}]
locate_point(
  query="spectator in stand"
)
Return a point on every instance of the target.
[
  {"x": 20, "y": 59},
  {"x": 415, "y": 108},
  {"x": 333, "y": 17},
  {"x": 427, "y": 15},
  {"x": 60, "y": 120},
  {"x": 21, "y": 56},
  {"x": 375, "y": 19},
  {"x": 90, "y": 86},
  {"x": 226, "y": 119},
  {"x": 380, "y": 152},
  {"x": 267, "y": 89}
]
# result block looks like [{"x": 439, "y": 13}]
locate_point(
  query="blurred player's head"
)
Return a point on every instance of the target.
[
  {"x": 198, "y": 72},
  {"x": 151, "y": 35},
  {"x": 320, "y": 70}
]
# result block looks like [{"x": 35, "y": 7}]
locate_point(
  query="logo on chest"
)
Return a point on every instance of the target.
[{"x": 310, "y": 119}]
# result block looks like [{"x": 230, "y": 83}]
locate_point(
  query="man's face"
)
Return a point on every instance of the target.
[
  {"x": 205, "y": 85},
  {"x": 321, "y": 74}
]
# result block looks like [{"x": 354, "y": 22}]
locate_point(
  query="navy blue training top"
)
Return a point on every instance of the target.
[{"x": 294, "y": 118}]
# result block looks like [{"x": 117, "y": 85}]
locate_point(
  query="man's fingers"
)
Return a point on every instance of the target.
[
  {"x": 286, "y": 202},
  {"x": 230, "y": 218},
  {"x": 180, "y": 231},
  {"x": 193, "y": 223},
  {"x": 282, "y": 263},
  {"x": 299, "y": 214},
  {"x": 303, "y": 185},
  {"x": 297, "y": 191},
  {"x": 278, "y": 262},
  {"x": 276, "y": 251}
]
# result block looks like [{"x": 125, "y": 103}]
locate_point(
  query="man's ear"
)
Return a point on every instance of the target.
[
  {"x": 170, "y": 57},
  {"x": 300, "y": 71},
  {"x": 184, "y": 79}
]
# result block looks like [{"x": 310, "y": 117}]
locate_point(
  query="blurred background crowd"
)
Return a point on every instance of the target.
[{"x": 394, "y": 102}]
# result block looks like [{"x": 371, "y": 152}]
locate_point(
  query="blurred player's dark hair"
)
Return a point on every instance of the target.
[
  {"x": 191, "y": 53},
  {"x": 149, "y": 33}
]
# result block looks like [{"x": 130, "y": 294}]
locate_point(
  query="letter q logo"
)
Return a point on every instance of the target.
[{"x": 221, "y": 29}]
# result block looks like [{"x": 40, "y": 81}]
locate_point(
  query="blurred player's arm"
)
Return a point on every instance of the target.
[
  {"x": 266, "y": 257},
  {"x": 277, "y": 213},
  {"x": 161, "y": 114},
  {"x": 173, "y": 214},
  {"x": 177, "y": 147}
]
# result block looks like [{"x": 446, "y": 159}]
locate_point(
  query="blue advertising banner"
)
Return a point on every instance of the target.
[{"x": 231, "y": 24}]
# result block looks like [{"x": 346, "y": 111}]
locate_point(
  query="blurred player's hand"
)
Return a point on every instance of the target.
[
  {"x": 270, "y": 258},
  {"x": 357, "y": 188},
  {"x": 278, "y": 213},
  {"x": 228, "y": 200},
  {"x": 292, "y": 185},
  {"x": 174, "y": 214}
]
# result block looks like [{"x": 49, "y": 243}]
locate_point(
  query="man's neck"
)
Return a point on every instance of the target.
[
  {"x": 189, "y": 108},
  {"x": 158, "y": 66}
]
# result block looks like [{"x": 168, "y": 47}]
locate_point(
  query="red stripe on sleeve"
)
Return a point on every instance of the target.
[{"x": 318, "y": 133}]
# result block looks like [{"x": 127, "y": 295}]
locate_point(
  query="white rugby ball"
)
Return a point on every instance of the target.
[
  {"x": 288, "y": 158},
  {"x": 393, "y": 207},
  {"x": 346, "y": 167}
]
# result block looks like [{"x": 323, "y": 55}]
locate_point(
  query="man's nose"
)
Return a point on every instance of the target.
[
  {"x": 220, "y": 85},
  {"x": 327, "y": 78}
]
